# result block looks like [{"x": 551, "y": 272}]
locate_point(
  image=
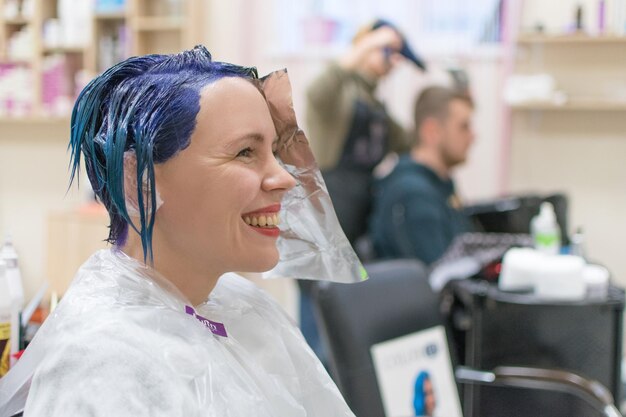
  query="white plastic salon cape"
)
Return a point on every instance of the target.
[{"x": 124, "y": 342}]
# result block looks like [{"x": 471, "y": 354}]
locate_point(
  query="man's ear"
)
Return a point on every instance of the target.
[{"x": 430, "y": 131}]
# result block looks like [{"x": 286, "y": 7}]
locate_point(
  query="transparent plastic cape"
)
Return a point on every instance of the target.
[
  {"x": 312, "y": 244},
  {"x": 124, "y": 342}
]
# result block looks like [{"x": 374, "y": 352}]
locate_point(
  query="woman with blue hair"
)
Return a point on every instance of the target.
[
  {"x": 188, "y": 156},
  {"x": 424, "y": 396}
]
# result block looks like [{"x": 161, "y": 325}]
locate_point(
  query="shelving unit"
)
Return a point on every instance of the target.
[
  {"x": 156, "y": 24},
  {"x": 573, "y": 39},
  {"x": 573, "y": 60},
  {"x": 120, "y": 15},
  {"x": 54, "y": 71},
  {"x": 575, "y": 148},
  {"x": 574, "y": 104}
]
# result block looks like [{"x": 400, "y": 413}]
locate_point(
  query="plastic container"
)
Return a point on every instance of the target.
[
  {"x": 597, "y": 279},
  {"x": 561, "y": 278},
  {"x": 550, "y": 277},
  {"x": 545, "y": 230},
  {"x": 5, "y": 321},
  {"x": 577, "y": 244},
  {"x": 15, "y": 292},
  {"x": 519, "y": 269}
]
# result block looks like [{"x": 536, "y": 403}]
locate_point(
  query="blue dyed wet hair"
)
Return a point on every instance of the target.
[{"x": 147, "y": 104}]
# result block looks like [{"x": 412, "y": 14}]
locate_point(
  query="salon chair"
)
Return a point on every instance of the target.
[{"x": 396, "y": 301}]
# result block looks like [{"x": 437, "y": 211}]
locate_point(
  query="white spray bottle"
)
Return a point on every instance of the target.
[
  {"x": 14, "y": 281},
  {"x": 5, "y": 321},
  {"x": 545, "y": 230}
]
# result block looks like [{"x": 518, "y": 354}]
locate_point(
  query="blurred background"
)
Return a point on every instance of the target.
[{"x": 548, "y": 80}]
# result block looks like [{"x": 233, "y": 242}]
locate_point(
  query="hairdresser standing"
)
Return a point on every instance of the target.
[
  {"x": 350, "y": 129},
  {"x": 351, "y": 132}
]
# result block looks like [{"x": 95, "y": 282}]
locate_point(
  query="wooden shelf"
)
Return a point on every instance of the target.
[
  {"x": 18, "y": 62},
  {"x": 64, "y": 49},
  {"x": 577, "y": 104},
  {"x": 16, "y": 21},
  {"x": 105, "y": 44},
  {"x": 34, "y": 120},
  {"x": 121, "y": 15},
  {"x": 153, "y": 24},
  {"x": 533, "y": 39}
]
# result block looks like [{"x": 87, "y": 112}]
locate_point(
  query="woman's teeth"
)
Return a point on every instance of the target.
[{"x": 269, "y": 220}]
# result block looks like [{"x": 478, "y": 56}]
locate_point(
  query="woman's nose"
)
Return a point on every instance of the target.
[{"x": 278, "y": 178}]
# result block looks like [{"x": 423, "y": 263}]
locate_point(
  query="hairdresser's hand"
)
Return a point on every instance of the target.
[{"x": 368, "y": 42}]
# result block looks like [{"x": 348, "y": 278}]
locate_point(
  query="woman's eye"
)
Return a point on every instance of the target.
[{"x": 247, "y": 152}]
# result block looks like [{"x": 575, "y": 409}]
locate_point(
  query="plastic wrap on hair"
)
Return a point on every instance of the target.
[
  {"x": 312, "y": 244},
  {"x": 155, "y": 353}
]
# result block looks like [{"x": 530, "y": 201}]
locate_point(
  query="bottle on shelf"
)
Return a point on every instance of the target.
[
  {"x": 11, "y": 9},
  {"x": 578, "y": 19},
  {"x": 5, "y": 321},
  {"x": 13, "y": 278},
  {"x": 577, "y": 245},
  {"x": 545, "y": 230},
  {"x": 108, "y": 6}
]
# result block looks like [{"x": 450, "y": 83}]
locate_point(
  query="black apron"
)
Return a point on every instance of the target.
[{"x": 349, "y": 183}]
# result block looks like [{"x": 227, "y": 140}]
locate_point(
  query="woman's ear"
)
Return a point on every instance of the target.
[{"x": 130, "y": 186}]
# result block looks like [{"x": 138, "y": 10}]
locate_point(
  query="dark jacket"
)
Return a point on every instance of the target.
[{"x": 414, "y": 214}]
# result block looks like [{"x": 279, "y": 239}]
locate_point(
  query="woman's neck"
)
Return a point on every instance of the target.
[{"x": 193, "y": 281}]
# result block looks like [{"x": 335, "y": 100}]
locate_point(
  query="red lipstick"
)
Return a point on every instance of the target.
[
  {"x": 274, "y": 208},
  {"x": 267, "y": 231}
]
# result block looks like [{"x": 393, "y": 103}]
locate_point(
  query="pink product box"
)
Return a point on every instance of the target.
[{"x": 54, "y": 84}]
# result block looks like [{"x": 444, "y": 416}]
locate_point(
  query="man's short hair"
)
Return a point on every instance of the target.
[{"x": 434, "y": 102}]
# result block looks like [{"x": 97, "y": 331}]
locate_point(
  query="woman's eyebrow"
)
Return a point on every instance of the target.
[
  {"x": 239, "y": 140},
  {"x": 255, "y": 136},
  {"x": 233, "y": 144}
]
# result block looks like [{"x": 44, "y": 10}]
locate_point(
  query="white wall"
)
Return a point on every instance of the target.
[
  {"x": 33, "y": 182},
  {"x": 583, "y": 155}
]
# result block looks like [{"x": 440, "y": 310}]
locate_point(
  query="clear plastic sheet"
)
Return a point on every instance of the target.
[
  {"x": 122, "y": 324},
  {"x": 312, "y": 244}
]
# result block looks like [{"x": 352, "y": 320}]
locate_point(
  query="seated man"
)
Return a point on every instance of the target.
[{"x": 416, "y": 212}]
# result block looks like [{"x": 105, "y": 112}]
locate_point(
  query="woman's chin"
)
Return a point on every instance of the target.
[
  {"x": 268, "y": 265},
  {"x": 262, "y": 263}
]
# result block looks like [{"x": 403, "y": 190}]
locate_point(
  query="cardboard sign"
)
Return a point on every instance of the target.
[{"x": 415, "y": 375}]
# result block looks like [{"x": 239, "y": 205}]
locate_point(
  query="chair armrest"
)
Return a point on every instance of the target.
[{"x": 592, "y": 392}]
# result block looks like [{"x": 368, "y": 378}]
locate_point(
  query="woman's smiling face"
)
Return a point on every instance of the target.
[{"x": 222, "y": 192}]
